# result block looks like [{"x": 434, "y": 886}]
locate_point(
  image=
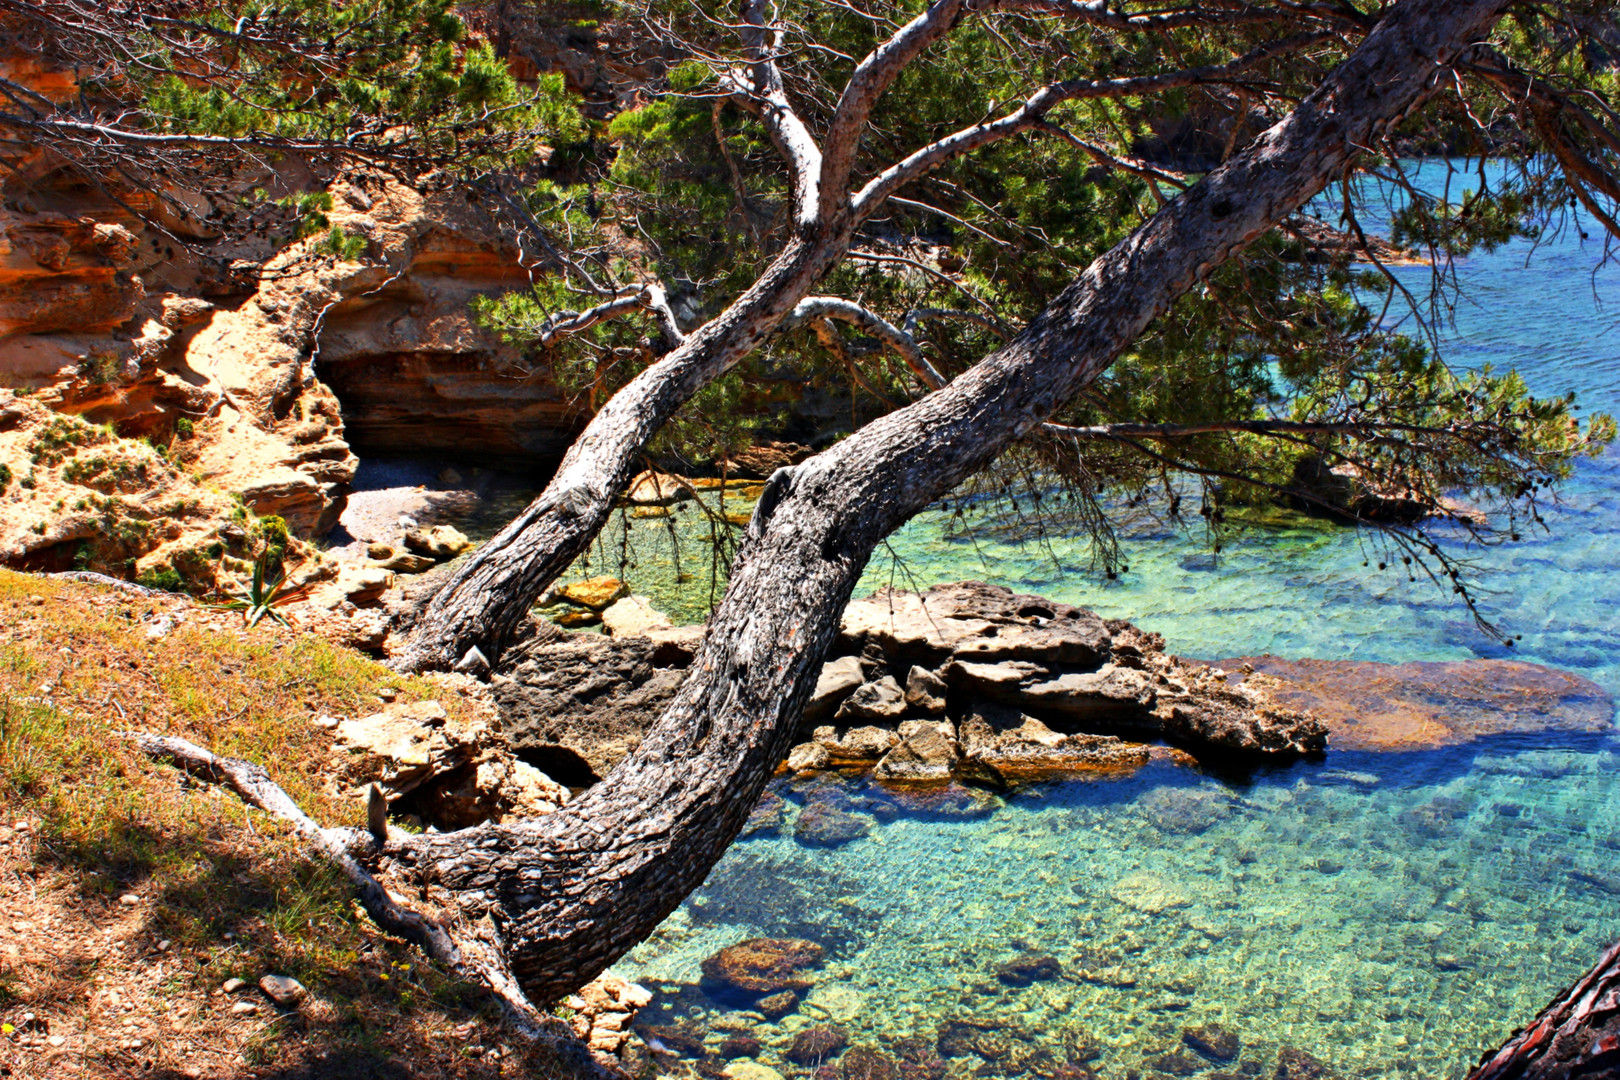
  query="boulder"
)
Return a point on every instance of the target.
[
  {"x": 857, "y": 746},
  {"x": 633, "y": 616},
  {"x": 594, "y": 593},
  {"x": 1112, "y": 695},
  {"x": 809, "y": 757},
  {"x": 974, "y": 621},
  {"x": 763, "y": 459},
  {"x": 676, "y": 645},
  {"x": 438, "y": 542},
  {"x": 657, "y": 489},
  {"x": 406, "y": 744},
  {"x": 925, "y": 691},
  {"x": 736, "y": 1046},
  {"x": 403, "y": 562},
  {"x": 359, "y": 585},
  {"x": 874, "y": 702},
  {"x": 838, "y": 679},
  {"x": 927, "y": 753},
  {"x": 1185, "y": 811},
  {"x": 764, "y": 966},
  {"x": 574, "y": 704}
]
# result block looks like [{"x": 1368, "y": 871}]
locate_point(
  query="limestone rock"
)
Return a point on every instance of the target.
[
  {"x": 975, "y": 621},
  {"x": 404, "y": 562},
  {"x": 656, "y": 489},
  {"x": 764, "y": 965},
  {"x": 594, "y": 593},
  {"x": 925, "y": 691},
  {"x": 1031, "y": 749},
  {"x": 361, "y": 585},
  {"x": 405, "y": 744},
  {"x": 633, "y": 616},
  {"x": 675, "y": 646},
  {"x": 809, "y": 757},
  {"x": 857, "y": 746},
  {"x": 575, "y": 705},
  {"x": 762, "y": 459},
  {"x": 775, "y": 1006},
  {"x": 878, "y": 701},
  {"x": 927, "y": 753},
  {"x": 867, "y": 1063},
  {"x": 438, "y": 542},
  {"x": 838, "y": 679},
  {"x": 1110, "y": 695}
]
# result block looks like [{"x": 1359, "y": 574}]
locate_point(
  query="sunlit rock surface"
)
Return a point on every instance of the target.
[{"x": 1426, "y": 704}]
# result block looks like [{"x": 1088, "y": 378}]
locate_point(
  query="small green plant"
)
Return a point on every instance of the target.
[
  {"x": 165, "y": 578},
  {"x": 183, "y": 428},
  {"x": 5, "y": 477},
  {"x": 263, "y": 597}
]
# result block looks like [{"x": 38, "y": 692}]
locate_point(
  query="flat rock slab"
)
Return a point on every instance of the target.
[
  {"x": 975, "y": 622},
  {"x": 1423, "y": 705}
]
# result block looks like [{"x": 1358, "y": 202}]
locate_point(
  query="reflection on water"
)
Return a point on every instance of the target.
[{"x": 1394, "y": 915}]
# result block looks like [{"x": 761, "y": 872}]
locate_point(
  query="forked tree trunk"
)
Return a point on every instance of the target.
[
  {"x": 572, "y": 891},
  {"x": 483, "y": 603}
]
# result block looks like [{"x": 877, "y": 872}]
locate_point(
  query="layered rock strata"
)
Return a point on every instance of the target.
[{"x": 969, "y": 681}]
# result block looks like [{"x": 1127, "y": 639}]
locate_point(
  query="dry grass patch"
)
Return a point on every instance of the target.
[{"x": 130, "y": 895}]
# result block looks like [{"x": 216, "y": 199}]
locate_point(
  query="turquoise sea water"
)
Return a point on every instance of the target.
[{"x": 1393, "y": 915}]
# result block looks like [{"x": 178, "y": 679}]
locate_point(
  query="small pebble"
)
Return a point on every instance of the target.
[
  {"x": 129, "y": 899},
  {"x": 231, "y": 986},
  {"x": 242, "y": 1008},
  {"x": 282, "y": 989},
  {"x": 56, "y": 1040}
]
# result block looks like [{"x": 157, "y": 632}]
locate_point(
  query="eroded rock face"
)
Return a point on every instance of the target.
[
  {"x": 581, "y": 698},
  {"x": 972, "y": 621}
]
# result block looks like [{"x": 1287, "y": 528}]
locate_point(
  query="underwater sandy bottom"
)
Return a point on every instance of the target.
[{"x": 1394, "y": 915}]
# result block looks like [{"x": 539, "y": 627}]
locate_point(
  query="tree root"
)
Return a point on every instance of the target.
[{"x": 476, "y": 956}]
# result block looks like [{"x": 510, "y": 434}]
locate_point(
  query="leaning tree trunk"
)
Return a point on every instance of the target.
[
  {"x": 483, "y": 603},
  {"x": 1578, "y": 1035},
  {"x": 572, "y": 891}
]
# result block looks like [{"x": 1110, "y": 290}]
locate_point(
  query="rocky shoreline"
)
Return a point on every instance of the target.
[{"x": 975, "y": 683}]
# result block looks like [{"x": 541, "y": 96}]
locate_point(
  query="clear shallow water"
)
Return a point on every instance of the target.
[{"x": 1394, "y": 915}]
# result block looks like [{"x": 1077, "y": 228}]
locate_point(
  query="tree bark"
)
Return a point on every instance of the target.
[
  {"x": 483, "y": 603},
  {"x": 1578, "y": 1035},
  {"x": 572, "y": 891}
]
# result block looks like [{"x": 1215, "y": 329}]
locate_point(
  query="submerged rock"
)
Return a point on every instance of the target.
[
  {"x": 1029, "y": 968},
  {"x": 764, "y": 965},
  {"x": 1185, "y": 811},
  {"x": 963, "y": 1036},
  {"x": 867, "y": 1063},
  {"x": 737, "y": 1046},
  {"x": 1295, "y": 1064},
  {"x": 815, "y": 1045},
  {"x": 1213, "y": 1041},
  {"x": 824, "y": 824},
  {"x": 1426, "y": 704},
  {"x": 1149, "y": 893},
  {"x": 1177, "y": 1063},
  {"x": 775, "y": 1006}
]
